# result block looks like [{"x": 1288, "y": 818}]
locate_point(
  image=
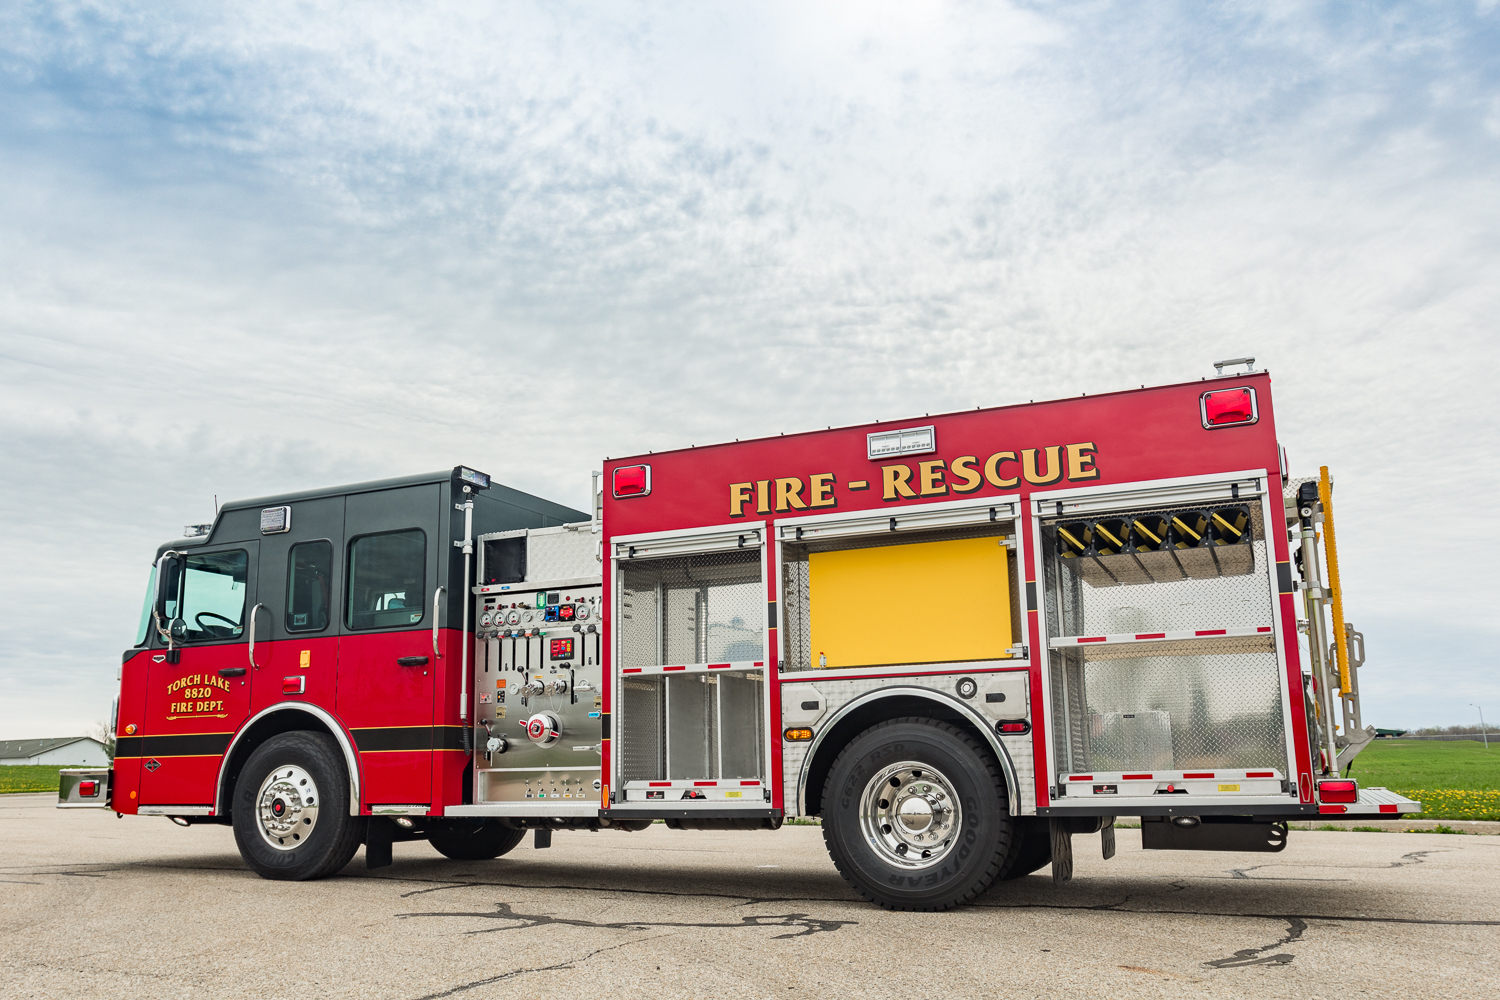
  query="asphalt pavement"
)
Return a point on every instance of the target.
[{"x": 95, "y": 906}]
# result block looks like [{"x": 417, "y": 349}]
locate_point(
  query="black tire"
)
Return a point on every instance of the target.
[
  {"x": 973, "y": 849},
  {"x": 1030, "y": 849},
  {"x": 472, "y": 839},
  {"x": 311, "y": 844}
]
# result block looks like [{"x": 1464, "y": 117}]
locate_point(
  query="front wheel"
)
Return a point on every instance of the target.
[
  {"x": 472, "y": 840},
  {"x": 914, "y": 815},
  {"x": 291, "y": 809}
]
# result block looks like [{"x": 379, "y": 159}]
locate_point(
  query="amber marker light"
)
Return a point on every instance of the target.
[{"x": 797, "y": 735}]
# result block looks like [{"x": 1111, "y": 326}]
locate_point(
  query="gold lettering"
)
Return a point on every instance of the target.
[
  {"x": 820, "y": 484},
  {"x": 1029, "y": 465},
  {"x": 739, "y": 495},
  {"x": 992, "y": 469},
  {"x": 897, "y": 480},
  {"x": 1081, "y": 459},
  {"x": 789, "y": 495},
  {"x": 963, "y": 468},
  {"x": 763, "y": 496},
  {"x": 930, "y": 475}
]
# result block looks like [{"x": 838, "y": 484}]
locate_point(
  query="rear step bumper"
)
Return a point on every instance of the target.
[{"x": 1373, "y": 802}]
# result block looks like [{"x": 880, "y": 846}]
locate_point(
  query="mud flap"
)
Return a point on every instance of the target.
[
  {"x": 1062, "y": 851},
  {"x": 378, "y": 838},
  {"x": 542, "y": 837},
  {"x": 1107, "y": 839}
]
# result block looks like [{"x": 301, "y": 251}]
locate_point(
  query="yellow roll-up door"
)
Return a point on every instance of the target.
[{"x": 929, "y": 602}]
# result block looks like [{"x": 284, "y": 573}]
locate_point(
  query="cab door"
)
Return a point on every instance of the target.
[
  {"x": 387, "y": 663},
  {"x": 194, "y": 706},
  {"x": 296, "y": 650}
]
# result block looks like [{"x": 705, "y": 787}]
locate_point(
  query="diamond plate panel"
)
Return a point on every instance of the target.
[
  {"x": 561, "y": 554},
  {"x": 838, "y": 693}
]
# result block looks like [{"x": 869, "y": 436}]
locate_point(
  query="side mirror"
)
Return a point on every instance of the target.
[{"x": 168, "y": 585}]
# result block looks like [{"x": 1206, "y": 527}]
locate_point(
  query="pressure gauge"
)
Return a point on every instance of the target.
[
  {"x": 514, "y": 618},
  {"x": 583, "y": 612},
  {"x": 528, "y": 616},
  {"x": 484, "y": 620}
]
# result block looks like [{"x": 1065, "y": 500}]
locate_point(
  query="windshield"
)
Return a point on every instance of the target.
[{"x": 144, "y": 629}]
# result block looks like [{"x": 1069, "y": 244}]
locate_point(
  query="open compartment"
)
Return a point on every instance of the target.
[
  {"x": 1162, "y": 654},
  {"x": 690, "y": 677}
]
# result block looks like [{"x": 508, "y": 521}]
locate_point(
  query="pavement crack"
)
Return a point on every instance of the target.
[
  {"x": 1257, "y": 956},
  {"x": 797, "y": 924},
  {"x": 566, "y": 964}
]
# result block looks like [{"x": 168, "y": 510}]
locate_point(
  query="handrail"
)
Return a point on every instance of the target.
[
  {"x": 1331, "y": 552},
  {"x": 251, "y": 650},
  {"x": 437, "y": 595}
]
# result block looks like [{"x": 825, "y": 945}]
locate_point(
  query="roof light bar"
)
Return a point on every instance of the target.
[{"x": 475, "y": 478}]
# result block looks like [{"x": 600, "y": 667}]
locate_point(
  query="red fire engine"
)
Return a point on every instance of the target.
[{"x": 958, "y": 640}]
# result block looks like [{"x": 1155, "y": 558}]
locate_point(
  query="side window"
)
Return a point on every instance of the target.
[
  {"x": 387, "y": 579},
  {"x": 211, "y": 596},
  {"x": 308, "y": 577}
]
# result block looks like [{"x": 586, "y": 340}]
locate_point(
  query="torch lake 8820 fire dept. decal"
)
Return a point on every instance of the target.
[
  {"x": 197, "y": 695},
  {"x": 1073, "y": 463}
]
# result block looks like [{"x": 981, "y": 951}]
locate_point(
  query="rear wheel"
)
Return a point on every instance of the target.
[
  {"x": 914, "y": 815},
  {"x": 291, "y": 809},
  {"x": 472, "y": 840}
]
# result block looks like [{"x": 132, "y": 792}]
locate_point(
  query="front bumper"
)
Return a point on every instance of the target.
[{"x": 73, "y": 783}]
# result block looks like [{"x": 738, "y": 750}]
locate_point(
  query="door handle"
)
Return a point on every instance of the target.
[
  {"x": 437, "y": 595},
  {"x": 251, "y": 650},
  {"x": 411, "y": 661},
  {"x": 232, "y": 672}
]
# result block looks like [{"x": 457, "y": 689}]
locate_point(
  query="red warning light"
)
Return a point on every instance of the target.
[
  {"x": 1338, "y": 791},
  {"x": 632, "y": 481},
  {"x": 1228, "y": 407}
]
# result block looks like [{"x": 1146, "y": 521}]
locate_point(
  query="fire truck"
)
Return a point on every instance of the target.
[{"x": 958, "y": 640}]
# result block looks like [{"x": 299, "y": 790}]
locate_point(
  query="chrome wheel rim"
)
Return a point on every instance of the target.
[
  {"x": 910, "y": 815},
  {"x": 287, "y": 808}
]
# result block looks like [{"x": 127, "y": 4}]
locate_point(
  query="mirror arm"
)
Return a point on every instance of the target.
[{"x": 158, "y": 601}]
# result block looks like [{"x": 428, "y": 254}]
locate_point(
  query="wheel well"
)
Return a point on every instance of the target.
[
  {"x": 867, "y": 715},
  {"x": 273, "y": 724}
]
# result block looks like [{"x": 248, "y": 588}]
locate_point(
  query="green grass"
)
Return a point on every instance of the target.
[
  {"x": 1458, "y": 764},
  {"x": 28, "y": 778}
]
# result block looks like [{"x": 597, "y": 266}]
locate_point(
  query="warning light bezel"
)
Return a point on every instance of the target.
[
  {"x": 1210, "y": 412},
  {"x": 630, "y": 481}
]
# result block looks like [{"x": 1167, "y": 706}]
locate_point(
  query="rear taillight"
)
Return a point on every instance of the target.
[
  {"x": 1338, "y": 791},
  {"x": 632, "y": 481},
  {"x": 1228, "y": 407},
  {"x": 294, "y": 685},
  {"x": 1013, "y": 728},
  {"x": 88, "y": 789}
]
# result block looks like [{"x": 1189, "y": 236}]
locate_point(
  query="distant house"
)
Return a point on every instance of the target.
[{"x": 64, "y": 751}]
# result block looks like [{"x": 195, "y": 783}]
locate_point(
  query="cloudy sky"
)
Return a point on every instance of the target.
[{"x": 291, "y": 245}]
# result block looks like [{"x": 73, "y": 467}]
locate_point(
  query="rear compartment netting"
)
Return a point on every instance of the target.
[{"x": 1195, "y": 705}]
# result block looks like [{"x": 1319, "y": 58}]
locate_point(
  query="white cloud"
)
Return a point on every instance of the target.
[{"x": 269, "y": 248}]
